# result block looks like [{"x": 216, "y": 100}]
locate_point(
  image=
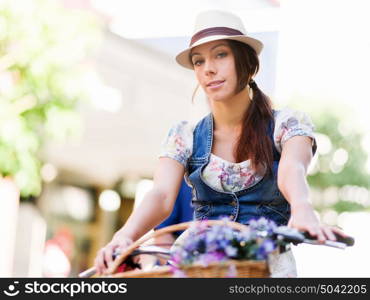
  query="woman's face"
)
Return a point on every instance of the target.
[{"x": 214, "y": 68}]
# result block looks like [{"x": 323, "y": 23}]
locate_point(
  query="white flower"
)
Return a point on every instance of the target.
[{"x": 230, "y": 251}]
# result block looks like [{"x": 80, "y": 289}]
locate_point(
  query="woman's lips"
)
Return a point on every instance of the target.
[{"x": 215, "y": 84}]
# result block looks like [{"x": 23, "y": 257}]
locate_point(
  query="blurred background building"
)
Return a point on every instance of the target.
[{"x": 89, "y": 91}]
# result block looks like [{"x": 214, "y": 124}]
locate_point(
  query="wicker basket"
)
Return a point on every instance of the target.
[{"x": 242, "y": 268}]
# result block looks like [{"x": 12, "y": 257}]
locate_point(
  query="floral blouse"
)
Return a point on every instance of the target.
[{"x": 227, "y": 176}]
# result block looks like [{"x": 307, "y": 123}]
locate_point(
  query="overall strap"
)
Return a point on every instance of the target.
[{"x": 202, "y": 139}]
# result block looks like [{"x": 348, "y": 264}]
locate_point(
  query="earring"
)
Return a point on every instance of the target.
[{"x": 250, "y": 92}]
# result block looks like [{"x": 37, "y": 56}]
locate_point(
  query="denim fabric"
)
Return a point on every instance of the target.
[{"x": 261, "y": 199}]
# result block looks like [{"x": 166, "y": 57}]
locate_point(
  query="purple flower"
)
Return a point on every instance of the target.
[
  {"x": 268, "y": 245},
  {"x": 206, "y": 259}
]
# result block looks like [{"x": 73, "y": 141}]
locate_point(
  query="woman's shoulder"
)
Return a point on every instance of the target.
[
  {"x": 183, "y": 127},
  {"x": 288, "y": 112},
  {"x": 291, "y": 117}
]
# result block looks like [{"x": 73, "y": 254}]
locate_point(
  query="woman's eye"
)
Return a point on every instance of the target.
[
  {"x": 197, "y": 62},
  {"x": 221, "y": 54}
]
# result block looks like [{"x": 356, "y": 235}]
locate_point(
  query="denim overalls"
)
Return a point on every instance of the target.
[{"x": 261, "y": 199}]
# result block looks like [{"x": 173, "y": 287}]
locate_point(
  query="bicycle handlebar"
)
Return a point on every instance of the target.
[{"x": 297, "y": 237}]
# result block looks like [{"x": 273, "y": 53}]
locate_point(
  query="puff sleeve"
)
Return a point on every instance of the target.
[
  {"x": 289, "y": 123},
  {"x": 178, "y": 143}
]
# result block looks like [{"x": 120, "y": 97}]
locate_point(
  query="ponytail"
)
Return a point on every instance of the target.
[{"x": 254, "y": 142}]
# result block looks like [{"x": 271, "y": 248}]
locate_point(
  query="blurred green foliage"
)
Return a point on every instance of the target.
[
  {"x": 339, "y": 176},
  {"x": 44, "y": 51},
  {"x": 347, "y": 206},
  {"x": 353, "y": 172}
]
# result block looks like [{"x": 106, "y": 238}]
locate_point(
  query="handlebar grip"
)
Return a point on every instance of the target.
[{"x": 348, "y": 240}]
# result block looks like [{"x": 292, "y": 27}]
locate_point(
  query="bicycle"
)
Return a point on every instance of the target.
[{"x": 245, "y": 268}]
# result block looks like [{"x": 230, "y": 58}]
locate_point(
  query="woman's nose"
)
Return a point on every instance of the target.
[{"x": 209, "y": 67}]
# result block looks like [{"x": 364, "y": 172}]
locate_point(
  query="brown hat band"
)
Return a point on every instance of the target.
[{"x": 213, "y": 31}]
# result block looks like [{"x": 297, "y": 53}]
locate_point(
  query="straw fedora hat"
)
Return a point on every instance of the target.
[{"x": 215, "y": 25}]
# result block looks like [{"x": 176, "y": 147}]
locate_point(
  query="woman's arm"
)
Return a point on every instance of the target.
[
  {"x": 155, "y": 207},
  {"x": 295, "y": 159}
]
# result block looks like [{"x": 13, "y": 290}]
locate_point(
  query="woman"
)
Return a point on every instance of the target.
[{"x": 243, "y": 160}]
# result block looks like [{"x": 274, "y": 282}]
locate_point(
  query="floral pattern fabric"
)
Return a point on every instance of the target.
[{"x": 227, "y": 176}]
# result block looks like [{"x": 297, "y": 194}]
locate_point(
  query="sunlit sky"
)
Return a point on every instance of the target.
[
  {"x": 323, "y": 53},
  {"x": 166, "y": 18}
]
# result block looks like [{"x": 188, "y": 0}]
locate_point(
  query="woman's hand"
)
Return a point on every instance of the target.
[
  {"x": 104, "y": 258},
  {"x": 303, "y": 218}
]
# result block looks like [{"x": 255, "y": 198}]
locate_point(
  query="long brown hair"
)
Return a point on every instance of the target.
[{"x": 254, "y": 142}]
